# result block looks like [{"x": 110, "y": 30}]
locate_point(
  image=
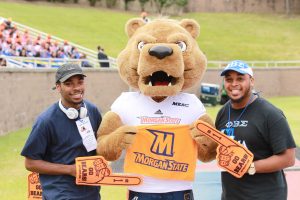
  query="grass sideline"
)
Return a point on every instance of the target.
[
  {"x": 224, "y": 36},
  {"x": 13, "y": 174}
]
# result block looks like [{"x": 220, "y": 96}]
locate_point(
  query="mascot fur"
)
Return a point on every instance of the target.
[{"x": 161, "y": 59}]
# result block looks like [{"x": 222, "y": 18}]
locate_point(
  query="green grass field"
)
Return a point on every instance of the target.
[
  {"x": 223, "y": 36},
  {"x": 13, "y": 174}
]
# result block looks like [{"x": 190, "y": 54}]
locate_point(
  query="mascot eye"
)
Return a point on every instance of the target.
[
  {"x": 141, "y": 45},
  {"x": 181, "y": 45}
]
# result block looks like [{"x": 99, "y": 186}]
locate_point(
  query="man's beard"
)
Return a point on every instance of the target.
[{"x": 246, "y": 95}]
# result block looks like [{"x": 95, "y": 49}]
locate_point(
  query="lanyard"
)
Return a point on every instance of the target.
[{"x": 243, "y": 111}]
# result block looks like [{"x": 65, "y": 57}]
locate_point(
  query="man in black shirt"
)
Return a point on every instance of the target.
[{"x": 263, "y": 129}]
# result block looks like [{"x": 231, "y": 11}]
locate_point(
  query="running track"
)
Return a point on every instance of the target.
[{"x": 207, "y": 185}]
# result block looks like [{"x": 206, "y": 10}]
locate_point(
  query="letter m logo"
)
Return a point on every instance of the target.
[{"x": 163, "y": 143}]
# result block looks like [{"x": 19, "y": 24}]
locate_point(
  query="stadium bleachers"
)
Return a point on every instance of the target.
[{"x": 24, "y": 47}]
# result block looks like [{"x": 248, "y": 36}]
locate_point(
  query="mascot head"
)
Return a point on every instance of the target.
[{"x": 162, "y": 57}]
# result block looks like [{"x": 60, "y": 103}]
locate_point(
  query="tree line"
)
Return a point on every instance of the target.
[{"x": 158, "y": 5}]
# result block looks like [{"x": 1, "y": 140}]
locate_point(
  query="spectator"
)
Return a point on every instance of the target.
[
  {"x": 144, "y": 17},
  {"x": 85, "y": 62},
  {"x": 2, "y": 62},
  {"x": 102, "y": 57},
  {"x": 8, "y": 24},
  {"x": 67, "y": 47}
]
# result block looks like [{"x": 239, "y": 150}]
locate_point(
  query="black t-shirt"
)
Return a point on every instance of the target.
[{"x": 264, "y": 130}]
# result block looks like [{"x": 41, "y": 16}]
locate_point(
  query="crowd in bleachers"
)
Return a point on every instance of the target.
[{"x": 14, "y": 42}]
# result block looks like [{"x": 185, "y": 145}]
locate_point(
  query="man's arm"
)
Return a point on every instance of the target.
[
  {"x": 276, "y": 162},
  {"x": 44, "y": 167}
]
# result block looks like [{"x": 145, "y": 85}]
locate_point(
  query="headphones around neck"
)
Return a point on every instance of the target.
[{"x": 72, "y": 113}]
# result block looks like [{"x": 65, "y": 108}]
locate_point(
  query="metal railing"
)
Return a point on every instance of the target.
[
  {"x": 35, "y": 62},
  {"x": 16, "y": 64}
]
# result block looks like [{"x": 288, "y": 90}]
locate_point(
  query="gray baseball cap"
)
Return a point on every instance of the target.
[{"x": 66, "y": 71}]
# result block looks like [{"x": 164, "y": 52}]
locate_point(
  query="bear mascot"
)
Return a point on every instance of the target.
[{"x": 154, "y": 123}]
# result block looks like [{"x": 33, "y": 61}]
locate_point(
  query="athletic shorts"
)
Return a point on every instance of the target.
[{"x": 178, "y": 195}]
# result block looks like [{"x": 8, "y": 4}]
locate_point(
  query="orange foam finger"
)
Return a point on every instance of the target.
[
  {"x": 34, "y": 186},
  {"x": 223, "y": 163},
  {"x": 240, "y": 158},
  {"x": 224, "y": 158},
  {"x": 239, "y": 162},
  {"x": 94, "y": 170},
  {"x": 214, "y": 134},
  {"x": 222, "y": 149},
  {"x": 121, "y": 180}
]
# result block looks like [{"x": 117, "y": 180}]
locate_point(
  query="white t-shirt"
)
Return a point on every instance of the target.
[{"x": 135, "y": 109}]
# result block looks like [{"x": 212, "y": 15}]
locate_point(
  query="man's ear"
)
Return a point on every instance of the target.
[
  {"x": 58, "y": 87},
  {"x": 252, "y": 82}
]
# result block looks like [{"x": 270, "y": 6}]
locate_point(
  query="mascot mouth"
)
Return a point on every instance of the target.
[{"x": 160, "y": 78}]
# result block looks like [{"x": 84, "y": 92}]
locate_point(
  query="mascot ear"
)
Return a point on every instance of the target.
[
  {"x": 191, "y": 26},
  {"x": 132, "y": 25}
]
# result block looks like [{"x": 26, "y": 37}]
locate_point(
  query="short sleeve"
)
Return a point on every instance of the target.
[
  {"x": 37, "y": 142},
  {"x": 280, "y": 134},
  {"x": 198, "y": 105}
]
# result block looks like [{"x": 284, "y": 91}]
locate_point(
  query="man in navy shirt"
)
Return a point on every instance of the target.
[{"x": 66, "y": 130}]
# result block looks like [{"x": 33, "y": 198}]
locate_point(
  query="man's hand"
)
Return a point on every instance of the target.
[{"x": 233, "y": 158}]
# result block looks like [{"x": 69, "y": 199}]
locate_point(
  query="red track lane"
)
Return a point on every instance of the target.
[{"x": 293, "y": 178}]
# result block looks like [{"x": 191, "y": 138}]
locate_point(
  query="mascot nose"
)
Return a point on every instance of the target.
[{"x": 160, "y": 52}]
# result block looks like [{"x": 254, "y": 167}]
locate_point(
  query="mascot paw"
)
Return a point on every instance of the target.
[
  {"x": 206, "y": 147},
  {"x": 126, "y": 135},
  {"x": 196, "y": 135}
]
